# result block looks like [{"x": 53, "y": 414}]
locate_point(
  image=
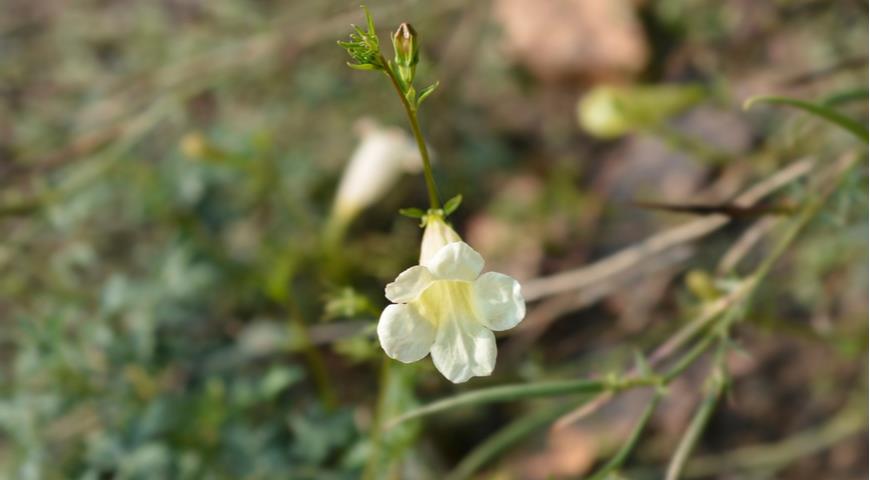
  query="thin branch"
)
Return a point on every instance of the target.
[
  {"x": 505, "y": 438},
  {"x": 699, "y": 422},
  {"x": 506, "y": 393},
  {"x": 632, "y": 256},
  {"x": 834, "y": 175},
  {"x": 316, "y": 365},
  {"x": 776, "y": 455},
  {"x": 666, "y": 349},
  {"x": 622, "y": 455},
  {"x": 744, "y": 244},
  {"x": 546, "y": 312}
]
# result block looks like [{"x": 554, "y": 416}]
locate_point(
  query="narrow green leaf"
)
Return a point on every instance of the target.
[
  {"x": 821, "y": 111},
  {"x": 452, "y": 204},
  {"x": 506, "y": 437},
  {"x": 505, "y": 393},
  {"x": 716, "y": 382},
  {"x": 362, "y": 66},
  {"x": 692, "y": 435},
  {"x": 629, "y": 445},
  {"x": 389, "y": 447},
  {"x": 641, "y": 365},
  {"x": 369, "y": 20},
  {"x": 362, "y": 33},
  {"x": 412, "y": 212},
  {"x": 426, "y": 92},
  {"x": 846, "y": 96}
]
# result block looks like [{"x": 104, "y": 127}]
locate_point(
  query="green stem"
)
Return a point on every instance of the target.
[
  {"x": 626, "y": 449},
  {"x": 702, "y": 416},
  {"x": 693, "y": 433},
  {"x": 690, "y": 438},
  {"x": 772, "y": 457},
  {"x": 724, "y": 323},
  {"x": 822, "y": 111},
  {"x": 682, "y": 142},
  {"x": 315, "y": 361},
  {"x": 505, "y": 438},
  {"x": 373, "y": 465},
  {"x": 371, "y": 469},
  {"x": 411, "y": 111},
  {"x": 507, "y": 393}
]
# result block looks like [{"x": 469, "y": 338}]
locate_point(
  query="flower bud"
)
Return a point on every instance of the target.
[
  {"x": 377, "y": 163},
  {"x": 701, "y": 284},
  {"x": 407, "y": 53},
  {"x": 406, "y": 46},
  {"x": 436, "y": 235}
]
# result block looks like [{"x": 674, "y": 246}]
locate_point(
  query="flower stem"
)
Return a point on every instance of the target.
[
  {"x": 506, "y": 438},
  {"x": 411, "y": 111},
  {"x": 702, "y": 416},
  {"x": 374, "y": 460},
  {"x": 506, "y": 393},
  {"x": 316, "y": 365},
  {"x": 619, "y": 458},
  {"x": 382, "y": 408}
]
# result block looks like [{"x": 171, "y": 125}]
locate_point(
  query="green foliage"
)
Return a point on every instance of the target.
[
  {"x": 412, "y": 212},
  {"x": 614, "y": 111},
  {"x": 424, "y": 94},
  {"x": 821, "y": 111},
  {"x": 363, "y": 46},
  {"x": 451, "y": 205},
  {"x": 507, "y": 393}
]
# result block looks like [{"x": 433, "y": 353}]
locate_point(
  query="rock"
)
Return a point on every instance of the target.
[{"x": 557, "y": 39}]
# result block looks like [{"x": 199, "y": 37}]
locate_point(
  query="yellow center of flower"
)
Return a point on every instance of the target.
[{"x": 446, "y": 300}]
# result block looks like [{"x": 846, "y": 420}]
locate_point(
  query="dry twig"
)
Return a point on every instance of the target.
[{"x": 632, "y": 256}]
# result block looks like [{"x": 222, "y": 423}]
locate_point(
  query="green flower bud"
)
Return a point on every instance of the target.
[
  {"x": 407, "y": 50},
  {"x": 406, "y": 45},
  {"x": 701, "y": 284},
  {"x": 613, "y": 111}
]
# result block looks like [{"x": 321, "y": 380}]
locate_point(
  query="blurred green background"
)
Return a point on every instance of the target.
[{"x": 176, "y": 301}]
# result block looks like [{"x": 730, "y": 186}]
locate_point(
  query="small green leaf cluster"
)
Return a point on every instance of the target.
[
  {"x": 364, "y": 47},
  {"x": 449, "y": 207}
]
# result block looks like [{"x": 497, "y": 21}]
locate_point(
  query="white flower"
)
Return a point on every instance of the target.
[
  {"x": 436, "y": 235},
  {"x": 445, "y": 307},
  {"x": 377, "y": 163}
]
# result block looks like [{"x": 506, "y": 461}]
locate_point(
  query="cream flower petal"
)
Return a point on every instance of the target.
[
  {"x": 499, "y": 301},
  {"x": 463, "y": 349},
  {"x": 409, "y": 284},
  {"x": 456, "y": 261},
  {"x": 404, "y": 334},
  {"x": 435, "y": 237}
]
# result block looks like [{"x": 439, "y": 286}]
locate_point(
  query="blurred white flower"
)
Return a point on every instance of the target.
[
  {"x": 445, "y": 307},
  {"x": 381, "y": 157}
]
